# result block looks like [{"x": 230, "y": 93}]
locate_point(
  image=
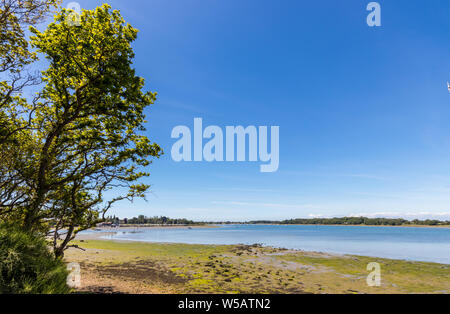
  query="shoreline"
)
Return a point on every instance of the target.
[
  {"x": 106, "y": 235},
  {"x": 110, "y": 266},
  {"x": 342, "y": 225},
  {"x": 98, "y": 233},
  {"x": 215, "y": 225},
  {"x": 199, "y": 226},
  {"x": 154, "y": 227}
]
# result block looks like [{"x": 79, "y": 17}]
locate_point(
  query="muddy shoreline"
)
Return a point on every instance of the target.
[{"x": 147, "y": 268}]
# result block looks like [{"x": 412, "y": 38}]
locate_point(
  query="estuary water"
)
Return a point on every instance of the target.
[{"x": 408, "y": 243}]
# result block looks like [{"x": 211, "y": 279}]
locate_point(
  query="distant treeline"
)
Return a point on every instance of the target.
[
  {"x": 355, "y": 221},
  {"x": 162, "y": 220},
  {"x": 143, "y": 220}
]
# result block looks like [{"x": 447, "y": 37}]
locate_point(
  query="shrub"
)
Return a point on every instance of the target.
[{"x": 28, "y": 266}]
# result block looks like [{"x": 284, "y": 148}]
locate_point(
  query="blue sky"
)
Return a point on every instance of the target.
[{"x": 364, "y": 113}]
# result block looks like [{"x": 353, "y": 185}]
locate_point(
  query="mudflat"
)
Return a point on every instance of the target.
[{"x": 138, "y": 267}]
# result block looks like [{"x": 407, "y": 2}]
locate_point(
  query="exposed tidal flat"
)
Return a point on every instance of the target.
[
  {"x": 118, "y": 265},
  {"x": 412, "y": 243}
]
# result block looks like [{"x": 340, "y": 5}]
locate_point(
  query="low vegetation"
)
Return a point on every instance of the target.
[{"x": 27, "y": 266}]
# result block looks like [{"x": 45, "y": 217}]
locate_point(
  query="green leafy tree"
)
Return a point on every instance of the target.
[
  {"x": 85, "y": 134},
  {"x": 15, "y": 110},
  {"x": 15, "y": 56}
]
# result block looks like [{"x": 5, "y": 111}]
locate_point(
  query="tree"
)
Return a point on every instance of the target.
[
  {"x": 85, "y": 135},
  {"x": 15, "y": 111},
  {"x": 14, "y": 57}
]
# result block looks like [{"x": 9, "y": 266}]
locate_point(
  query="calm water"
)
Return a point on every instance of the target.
[{"x": 420, "y": 244}]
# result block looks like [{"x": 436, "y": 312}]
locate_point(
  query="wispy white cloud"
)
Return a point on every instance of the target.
[
  {"x": 364, "y": 176},
  {"x": 343, "y": 175},
  {"x": 405, "y": 215},
  {"x": 269, "y": 205},
  {"x": 320, "y": 208},
  {"x": 242, "y": 190}
]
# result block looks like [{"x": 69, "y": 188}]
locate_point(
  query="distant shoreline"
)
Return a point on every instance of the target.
[
  {"x": 214, "y": 225},
  {"x": 159, "y": 226},
  {"x": 104, "y": 231},
  {"x": 143, "y": 221},
  {"x": 342, "y": 225}
]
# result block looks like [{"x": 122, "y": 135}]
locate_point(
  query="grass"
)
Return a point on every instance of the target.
[{"x": 184, "y": 268}]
